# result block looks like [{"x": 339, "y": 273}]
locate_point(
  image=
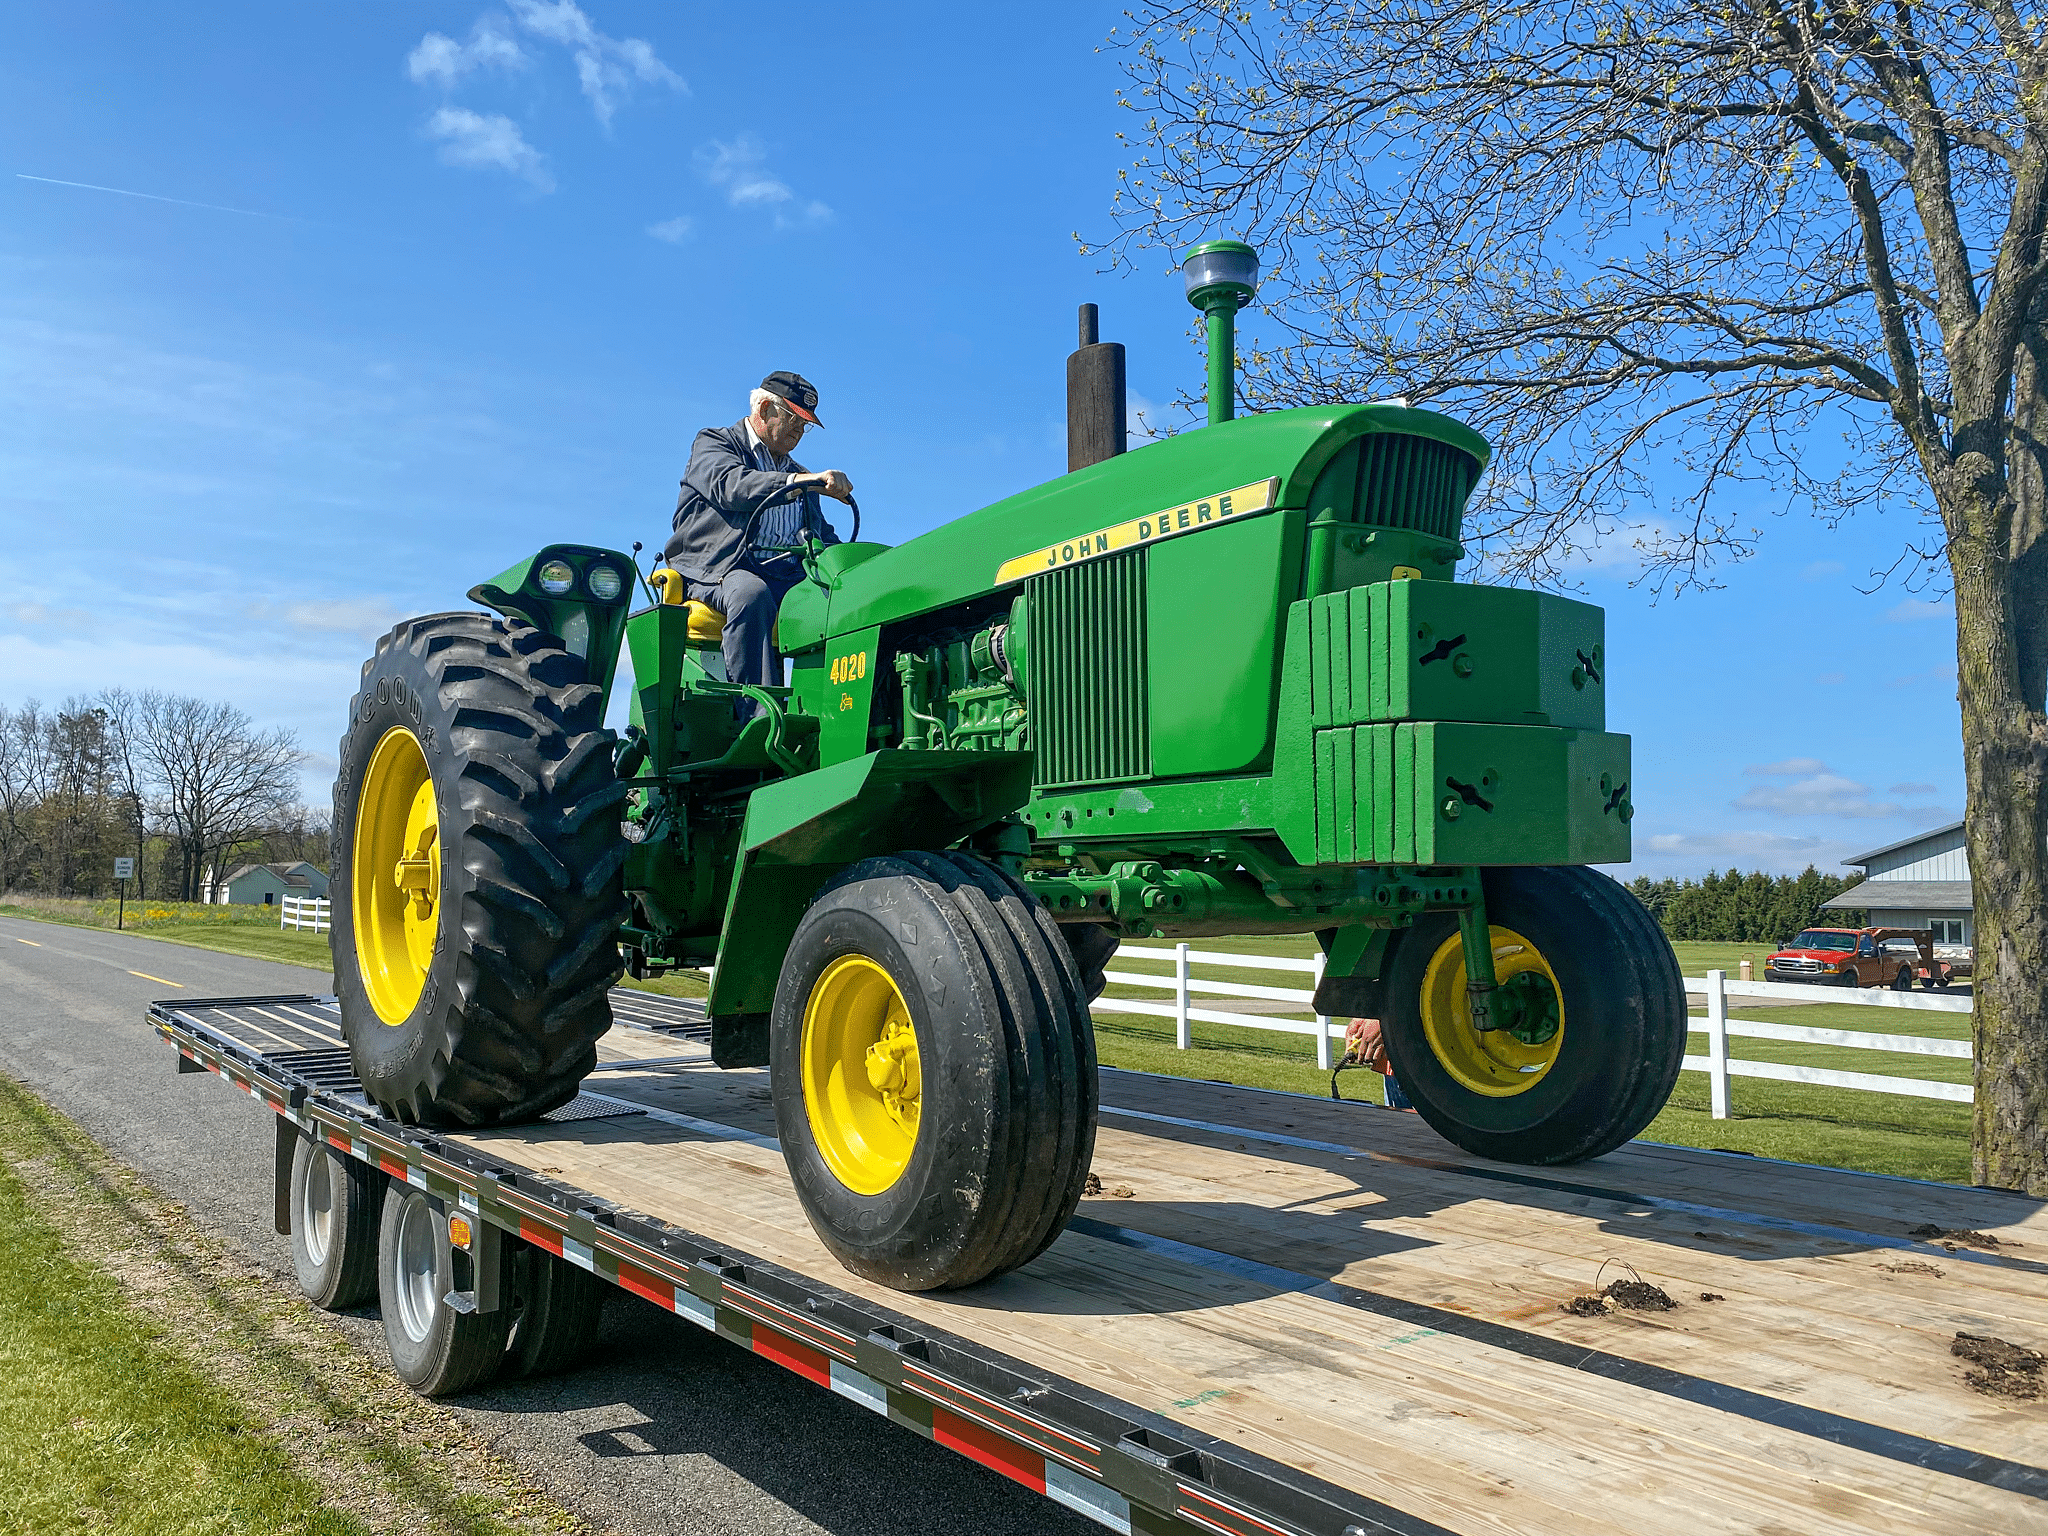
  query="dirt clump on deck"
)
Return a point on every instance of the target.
[
  {"x": 1639, "y": 1296},
  {"x": 1585, "y": 1306},
  {"x": 1913, "y": 1267},
  {"x": 2004, "y": 1369},
  {"x": 1950, "y": 1237}
]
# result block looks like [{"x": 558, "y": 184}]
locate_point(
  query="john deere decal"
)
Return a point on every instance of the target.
[{"x": 1190, "y": 517}]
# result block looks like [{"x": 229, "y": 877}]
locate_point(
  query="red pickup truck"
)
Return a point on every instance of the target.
[{"x": 1861, "y": 957}]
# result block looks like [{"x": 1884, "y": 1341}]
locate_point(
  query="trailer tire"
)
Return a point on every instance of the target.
[
  {"x": 436, "y": 1350},
  {"x": 933, "y": 1071},
  {"x": 336, "y": 1203},
  {"x": 1620, "y": 1020},
  {"x": 476, "y": 768},
  {"x": 555, "y": 1311}
]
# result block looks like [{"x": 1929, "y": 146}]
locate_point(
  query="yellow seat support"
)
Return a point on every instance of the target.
[{"x": 706, "y": 624}]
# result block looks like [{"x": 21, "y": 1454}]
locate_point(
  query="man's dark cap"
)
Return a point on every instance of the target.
[{"x": 798, "y": 391}]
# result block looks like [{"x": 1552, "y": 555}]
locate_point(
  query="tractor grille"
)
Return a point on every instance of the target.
[
  {"x": 1090, "y": 715},
  {"x": 1415, "y": 483}
]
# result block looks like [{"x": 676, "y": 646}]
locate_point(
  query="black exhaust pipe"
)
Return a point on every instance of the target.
[{"x": 1095, "y": 397}]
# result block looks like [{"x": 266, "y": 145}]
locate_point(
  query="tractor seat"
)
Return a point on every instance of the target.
[{"x": 706, "y": 625}]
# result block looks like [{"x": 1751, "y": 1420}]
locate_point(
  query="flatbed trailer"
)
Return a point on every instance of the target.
[{"x": 1287, "y": 1315}]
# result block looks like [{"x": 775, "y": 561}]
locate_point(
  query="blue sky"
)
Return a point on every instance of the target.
[{"x": 415, "y": 289}]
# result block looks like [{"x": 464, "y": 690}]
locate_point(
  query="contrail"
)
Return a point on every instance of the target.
[{"x": 87, "y": 186}]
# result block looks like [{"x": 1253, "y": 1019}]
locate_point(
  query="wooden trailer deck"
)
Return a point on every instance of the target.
[{"x": 1334, "y": 1289}]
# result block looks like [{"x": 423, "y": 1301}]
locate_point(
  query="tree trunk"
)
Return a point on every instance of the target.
[{"x": 2005, "y": 768}]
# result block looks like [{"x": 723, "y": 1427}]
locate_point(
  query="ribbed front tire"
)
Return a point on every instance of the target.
[{"x": 933, "y": 1071}]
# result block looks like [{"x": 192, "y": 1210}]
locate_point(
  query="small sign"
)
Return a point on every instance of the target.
[{"x": 124, "y": 869}]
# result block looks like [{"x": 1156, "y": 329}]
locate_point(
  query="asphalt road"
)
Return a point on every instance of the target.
[{"x": 667, "y": 1430}]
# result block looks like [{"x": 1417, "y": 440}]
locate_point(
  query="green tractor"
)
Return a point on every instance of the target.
[{"x": 1225, "y": 684}]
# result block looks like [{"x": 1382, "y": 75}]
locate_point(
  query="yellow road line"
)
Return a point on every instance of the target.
[
  {"x": 31, "y": 943},
  {"x": 147, "y": 977}
]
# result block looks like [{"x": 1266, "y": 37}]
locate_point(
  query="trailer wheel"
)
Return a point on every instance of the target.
[
  {"x": 1595, "y": 1028},
  {"x": 478, "y": 896},
  {"x": 436, "y": 1350},
  {"x": 933, "y": 1069},
  {"x": 555, "y": 1309},
  {"x": 335, "y": 1206}
]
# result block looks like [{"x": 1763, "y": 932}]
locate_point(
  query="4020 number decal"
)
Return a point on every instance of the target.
[{"x": 850, "y": 669}]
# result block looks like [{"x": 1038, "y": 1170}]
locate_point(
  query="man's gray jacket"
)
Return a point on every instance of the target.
[{"x": 722, "y": 490}]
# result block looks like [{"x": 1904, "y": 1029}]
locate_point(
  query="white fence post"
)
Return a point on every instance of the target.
[
  {"x": 1717, "y": 1043},
  {"x": 1322, "y": 1020},
  {"x": 1180, "y": 996}
]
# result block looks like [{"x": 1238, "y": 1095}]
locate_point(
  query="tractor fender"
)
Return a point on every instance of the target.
[{"x": 801, "y": 831}]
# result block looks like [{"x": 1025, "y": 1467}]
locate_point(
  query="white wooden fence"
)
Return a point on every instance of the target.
[
  {"x": 1182, "y": 984},
  {"x": 1718, "y": 1027},
  {"x": 305, "y": 912},
  {"x": 1720, "y": 1066}
]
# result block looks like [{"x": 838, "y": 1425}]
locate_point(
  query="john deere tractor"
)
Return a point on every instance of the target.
[{"x": 1224, "y": 684}]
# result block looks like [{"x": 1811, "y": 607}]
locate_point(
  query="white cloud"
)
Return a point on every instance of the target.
[
  {"x": 470, "y": 139},
  {"x": 1940, "y": 672},
  {"x": 1790, "y": 767},
  {"x": 737, "y": 167},
  {"x": 439, "y": 58},
  {"x": 1913, "y": 791},
  {"x": 1913, "y": 610},
  {"x": 1693, "y": 853},
  {"x": 606, "y": 67},
  {"x": 675, "y": 231},
  {"x": 1820, "y": 570},
  {"x": 364, "y": 617},
  {"x": 1817, "y": 790},
  {"x": 27, "y": 616}
]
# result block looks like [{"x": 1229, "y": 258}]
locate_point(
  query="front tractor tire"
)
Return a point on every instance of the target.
[
  {"x": 477, "y": 896},
  {"x": 1593, "y": 1009},
  {"x": 933, "y": 1070}
]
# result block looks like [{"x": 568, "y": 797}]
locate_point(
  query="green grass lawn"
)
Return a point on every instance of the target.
[
  {"x": 235, "y": 928},
  {"x": 104, "y": 1428}
]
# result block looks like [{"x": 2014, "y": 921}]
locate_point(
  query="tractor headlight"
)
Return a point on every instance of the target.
[
  {"x": 605, "y": 582},
  {"x": 556, "y": 578}
]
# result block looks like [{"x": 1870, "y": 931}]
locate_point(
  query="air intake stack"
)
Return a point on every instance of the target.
[{"x": 1095, "y": 397}]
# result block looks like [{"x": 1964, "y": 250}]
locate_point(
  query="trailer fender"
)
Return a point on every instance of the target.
[{"x": 801, "y": 831}]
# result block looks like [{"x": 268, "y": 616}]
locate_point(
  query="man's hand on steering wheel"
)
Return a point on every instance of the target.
[{"x": 829, "y": 482}]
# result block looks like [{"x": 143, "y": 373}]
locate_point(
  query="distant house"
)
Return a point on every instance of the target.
[
  {"x": 268, "y": 884},
  {"x": 1922, "y": 882}
]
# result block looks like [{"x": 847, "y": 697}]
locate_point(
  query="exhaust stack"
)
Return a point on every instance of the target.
[{"x": 1095, "y": 397}]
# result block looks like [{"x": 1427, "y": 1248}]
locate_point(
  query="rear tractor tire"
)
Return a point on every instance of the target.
[
  {"x": 933, "y": 1068},
  {"x": 1594, "y": 1020},
  {"x": 477, "y": 896}
]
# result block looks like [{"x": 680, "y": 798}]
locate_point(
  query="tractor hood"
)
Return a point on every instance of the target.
[{"x": 1243, "y": 468}]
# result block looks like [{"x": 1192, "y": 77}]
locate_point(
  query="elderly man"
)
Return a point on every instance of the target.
[{"x": 742, "y": 511}]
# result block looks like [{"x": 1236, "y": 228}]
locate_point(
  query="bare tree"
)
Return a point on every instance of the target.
[
  {"x": 1653, "y": 242},
  {"x": 24, "y": 785},
  {"x": 219, "y": 780},
  {"x": 125, "y": 762}
]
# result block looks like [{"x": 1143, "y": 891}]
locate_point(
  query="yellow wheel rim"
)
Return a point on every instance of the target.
[
  {"x": 1494, "y": 1063},
  {"x": 863, "y": 1081},
  {"x": 395, "y": 875}
]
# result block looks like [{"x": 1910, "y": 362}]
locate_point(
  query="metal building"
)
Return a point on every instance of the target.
[{"x": 1920, "y": 882}]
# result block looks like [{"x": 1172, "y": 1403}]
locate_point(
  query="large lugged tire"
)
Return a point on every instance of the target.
[
  {"x": 477, "y": 896},
  {"x": 933, "y": 1071},
  {"x": 1573, "y": 948},
  {"x": 336, "y": 1202}
]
